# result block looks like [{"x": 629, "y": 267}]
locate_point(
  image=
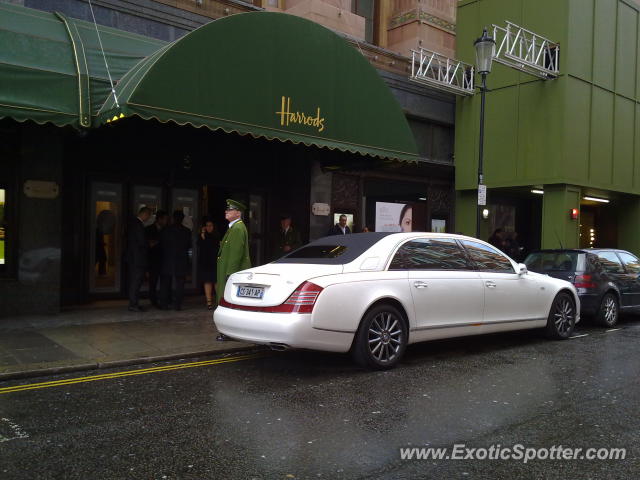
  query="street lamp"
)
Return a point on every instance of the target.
[{"x": 485, "y": 50}]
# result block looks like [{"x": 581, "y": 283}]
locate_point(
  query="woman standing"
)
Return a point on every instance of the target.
[{"x": 208, "y": 243}]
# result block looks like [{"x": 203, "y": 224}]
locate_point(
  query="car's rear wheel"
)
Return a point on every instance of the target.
[
  {"x": 562, "y": 317},
  {"x": 609, "y": 310},
  {"x": 381, "y": 338}
]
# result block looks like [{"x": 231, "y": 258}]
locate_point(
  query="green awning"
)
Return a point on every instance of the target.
[
  {"x": 52, "y": 68},
  {"x": 269, "y": 75}
]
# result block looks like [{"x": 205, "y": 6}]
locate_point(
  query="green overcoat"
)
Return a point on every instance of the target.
[{"x": 233, "y": 255}]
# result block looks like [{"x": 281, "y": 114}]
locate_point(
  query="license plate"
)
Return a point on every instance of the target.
[{"x": 250, "y": 292}]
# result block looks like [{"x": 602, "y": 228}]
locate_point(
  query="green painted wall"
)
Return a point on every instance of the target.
[
  {"x": 582, "y": 128},
  {"x": 559, "y": 230}
]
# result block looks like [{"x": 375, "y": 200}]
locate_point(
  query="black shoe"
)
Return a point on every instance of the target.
[
  {"x": 222, "y": 338},
  {"x": 136, "y": 308}
]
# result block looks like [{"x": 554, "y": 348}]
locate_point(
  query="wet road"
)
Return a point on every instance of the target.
[{"x": 310, "y": 415}]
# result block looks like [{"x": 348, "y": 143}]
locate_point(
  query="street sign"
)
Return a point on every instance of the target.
[{"x": 482, "y": 194}]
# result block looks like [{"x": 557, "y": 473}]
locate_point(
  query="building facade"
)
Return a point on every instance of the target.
[
  {"x": 66, "y": 191},
  {"x": 555, "y": 145}
]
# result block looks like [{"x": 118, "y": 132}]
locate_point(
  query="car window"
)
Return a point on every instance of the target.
[
  {"x": 552, "y": 261},
  {"x": 610, "y": 262},
  {"x": 430, "y": 254},
  {"x": 631, "y": 263},
  {"x": 488, "y": 258}
]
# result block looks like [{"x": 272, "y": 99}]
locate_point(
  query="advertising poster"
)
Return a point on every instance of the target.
[{"x": 394, "y": 217}]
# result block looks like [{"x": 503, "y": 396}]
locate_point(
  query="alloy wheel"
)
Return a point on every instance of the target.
[
  {"x": 385, "y": 337},
  {"x": 564, "y": 316}
]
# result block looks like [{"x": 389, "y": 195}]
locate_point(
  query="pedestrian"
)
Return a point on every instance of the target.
[
  {"x": 208, "y": 245},
  {"x": 514, "y": 249},
  {"x": 233, "y": 254},
  {"x": 498, "y": 240},
  {"x": 155, "y": 254},
  {"x": 340, "y": 228},
  {"x": 365, "y": 229},
  {"x": 286, "y": 238},
  {"x": 175, "y": 241},
  {"x": 137, "y": 256}
]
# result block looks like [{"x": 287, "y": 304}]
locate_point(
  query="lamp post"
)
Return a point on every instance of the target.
[{"x": 485, "y": 50}]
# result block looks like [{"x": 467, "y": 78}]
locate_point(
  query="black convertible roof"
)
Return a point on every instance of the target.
[{"x": 356, "y": 244}]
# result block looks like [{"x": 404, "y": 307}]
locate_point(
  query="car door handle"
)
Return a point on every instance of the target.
[
  {"x": 490, "y": 284},
  {"x": 420, "y": 284}
]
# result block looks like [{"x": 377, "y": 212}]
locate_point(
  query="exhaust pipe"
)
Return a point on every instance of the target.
[{"x": 279, "y": 347}]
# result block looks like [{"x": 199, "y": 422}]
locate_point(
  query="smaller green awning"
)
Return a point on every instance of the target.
[
  {"x": 268, "y": 75},
  {"x": 52, "y": 68}
]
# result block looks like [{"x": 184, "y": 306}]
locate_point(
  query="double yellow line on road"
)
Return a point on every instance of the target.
[{"x": 128, "y": 373}]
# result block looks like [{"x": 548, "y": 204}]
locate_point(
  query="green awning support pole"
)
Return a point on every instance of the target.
[{"x": 84, "y": 98}]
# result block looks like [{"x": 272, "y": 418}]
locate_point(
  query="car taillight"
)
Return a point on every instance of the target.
[
  {"x": 302, "y": 300},
  {"x": 583, "y": 281}
]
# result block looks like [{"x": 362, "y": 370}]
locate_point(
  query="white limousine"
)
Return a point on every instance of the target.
[{"x": 375, "y": 293}]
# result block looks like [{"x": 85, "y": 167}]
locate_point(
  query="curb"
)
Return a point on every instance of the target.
[{"x": 121, "y": 363}]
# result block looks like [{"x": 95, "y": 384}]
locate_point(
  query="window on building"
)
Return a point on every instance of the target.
[
  {"x": 430, "y": 254},
  {"x": 366, "y": 9},
  {"x": 435, "y": 142},
  {"x": 3, "y": 230}
]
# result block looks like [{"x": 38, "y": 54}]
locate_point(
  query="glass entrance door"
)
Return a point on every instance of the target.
[
  {"x": 146, "y": 196},
  {"x": 186, "y": 200},
  {"x": 105, "y": 211}
]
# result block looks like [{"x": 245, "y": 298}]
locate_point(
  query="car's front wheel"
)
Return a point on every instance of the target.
[
  {"x": 609, "y": 310},
  {"x": 562, "y": 317},
  {"x": 381, "y": 338}
]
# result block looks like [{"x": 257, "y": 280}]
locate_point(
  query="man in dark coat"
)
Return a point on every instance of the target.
[
  {"x": 340, "y": 228},
  {"x": 286, "y": 238},
  {"x": 137, "y": 256},
  {"x": 175, "y": 241},
  {"x": 155, "y": 253}
]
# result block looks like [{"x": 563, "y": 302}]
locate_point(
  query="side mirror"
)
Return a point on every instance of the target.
[{"x": 522, "y": 269}]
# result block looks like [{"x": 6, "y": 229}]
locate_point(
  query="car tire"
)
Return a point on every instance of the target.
[
  {"x": 609, "y": 310},
  {"x": 562, "y": 317},
  {"x": 381, "y": 338}
]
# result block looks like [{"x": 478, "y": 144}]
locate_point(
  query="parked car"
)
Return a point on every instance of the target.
[
  {"x": 607, "y": 280},
  {"x": 375, "y": 293}
]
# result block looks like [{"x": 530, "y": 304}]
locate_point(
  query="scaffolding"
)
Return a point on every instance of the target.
[
  {"x": 442, "y": 73},
  {"x": 519, "y": 48}
]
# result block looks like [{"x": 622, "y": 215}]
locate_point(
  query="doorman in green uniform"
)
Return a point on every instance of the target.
[{"x": 233, "y": 255}]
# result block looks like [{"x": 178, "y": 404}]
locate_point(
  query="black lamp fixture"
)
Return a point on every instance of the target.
[{"x": 485, "y": 50}]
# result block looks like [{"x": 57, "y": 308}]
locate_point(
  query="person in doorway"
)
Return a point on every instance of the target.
[
  {"x": 155, "y": 254},
  {"x": 208, "y": 245},
  {"x": 233, "y": 254},
  {"x": 406, "y": 218},
  {"x": 286, "y": 238},
  {"x": 365, "y": 229},
  {"x": 498, "y": 240},
  {"x": 340, "y": 228},
  {"x": 175, "y": 241},
  {"x": 137, "y": 257},
  {"x": 514, "y": 249}
]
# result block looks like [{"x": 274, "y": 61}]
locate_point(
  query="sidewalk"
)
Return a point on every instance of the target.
[{"x": 105, "y": 335}]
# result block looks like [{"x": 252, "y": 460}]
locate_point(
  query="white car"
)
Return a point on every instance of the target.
[{"x": 375, "y": 293}]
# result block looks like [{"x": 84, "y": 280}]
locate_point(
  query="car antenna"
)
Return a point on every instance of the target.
[{"x": 558, "y": 237}]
